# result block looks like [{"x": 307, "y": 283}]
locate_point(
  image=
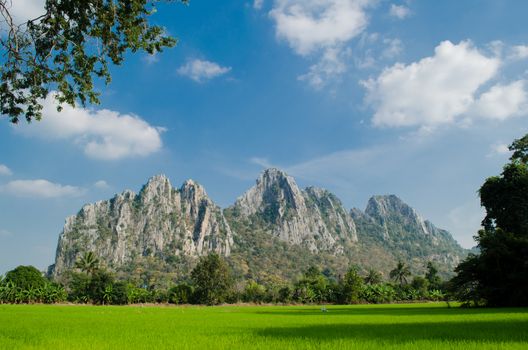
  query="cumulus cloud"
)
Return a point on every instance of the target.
[
  {"x": 399, "y": 11},
  {"x": 4, "y": 170},
  {"x": 40, "y": 189},
  {"x": 101, "y": 184},
  {"x": 320, "y": 30},
  {"x": 102, "y": 134},
  {"x": 519, "y": 52},
  {"x": 308, "y": 25},
  {"x": 502, "y": 101},
  {"x": 439, "y": 89},
  {"x": 201, "y": 70}
]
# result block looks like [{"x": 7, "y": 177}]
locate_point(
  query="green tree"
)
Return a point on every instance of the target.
[
  {"x": 351, "y": 286},
  {"x": 26, "y": 278},
  {"x": 100, "y": 287},
  {"x": 400, "y": 273},
  {"x": 66, "y": 47},
  {"x": 212, "y": 280},
  {"x": 312, "y": 287},
  {"x": 373, "y": 277},
  {"x": 432, "y": 276},
  {"x": 181, "y": 294},
  {"x": 498, "y": 275},
  {"x": 87, "y": 263}
]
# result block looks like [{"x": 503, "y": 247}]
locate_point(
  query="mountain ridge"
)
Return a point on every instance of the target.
[{"x": 271, "y": 219}]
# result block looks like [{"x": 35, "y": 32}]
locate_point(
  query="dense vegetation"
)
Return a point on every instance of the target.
[
  {"x": 396, "y": 326},
  {"x": 212, "y": 282},
  {"x": 498, "y": 276}
]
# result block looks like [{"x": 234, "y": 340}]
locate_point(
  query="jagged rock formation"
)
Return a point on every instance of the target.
[
  {"x": 160, "y": 221},
  {"x": 397, "y": 226},
  {"x": 313, "y": 218},
  {"x": 273, "y": 231}
]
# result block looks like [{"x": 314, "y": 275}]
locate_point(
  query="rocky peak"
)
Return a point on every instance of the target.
[
  {"x": 391, "y": 208},
  {"x": 274, "y": 190},
  {"x": 193, "y": 191},
  {"x": 156, "y": 187},
  {"x": 314, "y": 218}
]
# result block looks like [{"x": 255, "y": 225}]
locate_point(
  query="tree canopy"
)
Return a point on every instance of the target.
[
  {"x": 66, "y": 47},
  {"x": 26, "y": 277},
  {"x": 212, "y": 280},
  {"x": 498, "y": 275}
]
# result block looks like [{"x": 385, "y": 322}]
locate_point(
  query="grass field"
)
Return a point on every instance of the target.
[{"x": 414, "y": 326}]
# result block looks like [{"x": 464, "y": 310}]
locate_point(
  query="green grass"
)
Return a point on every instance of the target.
[{"x": 415, "y": 326}]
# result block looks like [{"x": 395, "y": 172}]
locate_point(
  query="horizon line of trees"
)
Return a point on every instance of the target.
[{"x": 211, "y": 282}]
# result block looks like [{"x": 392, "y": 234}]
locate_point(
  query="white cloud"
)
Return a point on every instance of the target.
[
  {"x": 308, "y": 25},
  {"x": 102, "y": 134},
  {"x": 321, "y": 31},
  {"x": 101, "y": 184},
  {"x": 40, "y": 189},
  {"x": 4, "y": 170},
  {"x": 519, "y": 52},
  {"x": 393, "y": 49},
  {"x": 433, "y": 91},
  {"x": 331, "y": 65},
  {"x": 201, "y": 70},
  {"x": 498, "y": 149},
  {"x": 502, "y": 101},
  {"x": 399, "y": 11},
  {"x": 257, "y": 4},
  {"x": 151, "y": 58},
  {"x": 24, "y": 10}
]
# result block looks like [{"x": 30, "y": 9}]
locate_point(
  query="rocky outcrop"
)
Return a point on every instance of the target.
[
  {"x": 313, "y": 218},
  {"x": 159, "y": 221}
]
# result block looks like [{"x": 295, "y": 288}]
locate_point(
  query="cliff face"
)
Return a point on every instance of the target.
[
  {"x": 160, "y": 221},
  {"x": 312, "y": 218},
  {"x": 274, "y": 229}
]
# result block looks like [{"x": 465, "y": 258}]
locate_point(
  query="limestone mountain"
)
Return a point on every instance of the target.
[
  {"x": 313, "y": 218},
  {"x": 160, "y": 221},
  {"x": 390, "y": 222},
  {"x": 273, "y": 231}
]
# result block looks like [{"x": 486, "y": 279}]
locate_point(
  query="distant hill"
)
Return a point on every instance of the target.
[{"x": 272, "y": 232}]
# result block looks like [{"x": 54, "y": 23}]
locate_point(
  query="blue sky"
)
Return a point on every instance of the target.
[{"x": 362, "y": 97}]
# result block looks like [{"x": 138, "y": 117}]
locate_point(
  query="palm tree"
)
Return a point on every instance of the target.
[
  {"x": 373, "y": 277},
  {"x": 400, "y": 273},
  {"x": 88, "y": 263}
]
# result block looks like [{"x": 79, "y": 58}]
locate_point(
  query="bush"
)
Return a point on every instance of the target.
[
  {"x": 180, "y": 294},
  {"x": 254, "y": 292}
]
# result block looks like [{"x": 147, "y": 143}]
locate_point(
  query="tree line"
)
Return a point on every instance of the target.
[{"x": 211, "y": 282}]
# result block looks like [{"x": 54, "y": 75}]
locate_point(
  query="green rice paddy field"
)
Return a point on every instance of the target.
[{"x": 412, "y": 326}]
